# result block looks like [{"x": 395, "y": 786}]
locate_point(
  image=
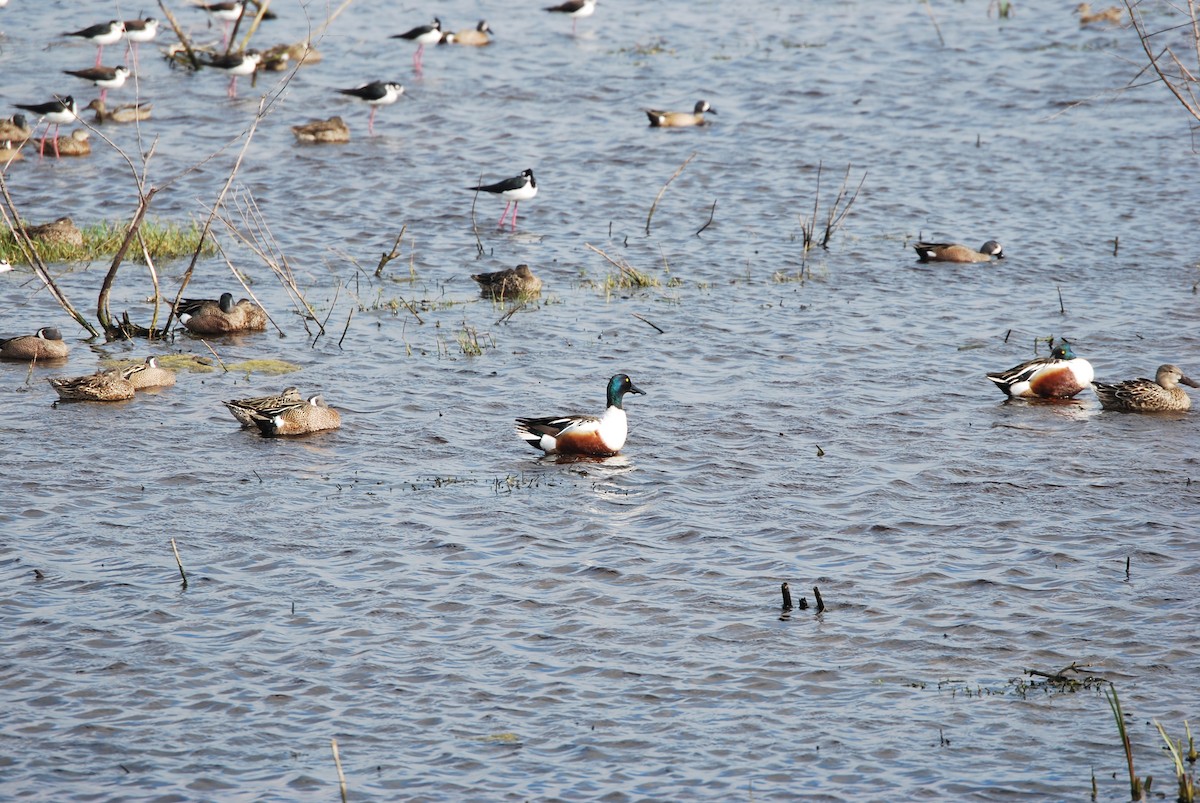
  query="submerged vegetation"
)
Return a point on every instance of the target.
[{"x": 163, "y": 239}]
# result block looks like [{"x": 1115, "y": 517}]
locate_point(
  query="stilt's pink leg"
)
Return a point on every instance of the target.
[
  {"x": 56, "y": 154},
  {"x": 371, "y": 122}
]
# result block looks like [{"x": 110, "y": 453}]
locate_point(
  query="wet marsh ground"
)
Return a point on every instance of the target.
[{"x": 472, "y": 623}]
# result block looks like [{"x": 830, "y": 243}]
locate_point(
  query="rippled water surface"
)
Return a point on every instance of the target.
[{"x": 472, "y": 623}]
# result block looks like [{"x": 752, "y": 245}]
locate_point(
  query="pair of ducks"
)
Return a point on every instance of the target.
[
  {"x": 117, "y": 384},
  {"x": 1062, "y": 375},
  {"x": 287, "y": 413}
]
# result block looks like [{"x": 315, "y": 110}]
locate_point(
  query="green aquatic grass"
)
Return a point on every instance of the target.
[{"x": 164, "y": 240}]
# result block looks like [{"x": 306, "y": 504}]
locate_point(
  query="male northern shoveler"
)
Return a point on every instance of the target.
[
  {"x": 100, "y": 386},
  {"x": 148, "y": 374},
  {"x": 1144, "y": 396},
  {"x": 660, "y": 119},
  {"x": 582, "y": 434},
  {"x": 207, "y": 317},
  {"x": 510, "y": 283},
  {"x": 296, "y": 418},
  {"x": 1059, "y": 376},
  {"x": 44, "y": 344},
  {"x": 953, "y": 252},
  {"x": 244, "y": 410}
]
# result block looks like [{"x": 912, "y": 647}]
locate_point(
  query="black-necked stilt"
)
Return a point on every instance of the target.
[
  {"x": 106, "y": 33},
  {"x": 235, "y": 64},
  {"x": 576, "y": 9},
  {"x": 472, "y": 37},
  {"x": 104, "y": 77},
  {"x": 660, "y": 119},
  {"x": 513, "y": 190},
  {"x": 56, "y": 112},
  {"x": 376, "y": 94},
  {"x": 136, "y": 31},
  {"x": 422, "y": 35}
]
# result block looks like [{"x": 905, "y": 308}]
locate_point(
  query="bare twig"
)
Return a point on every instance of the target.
[
  {"x": 337, "y": 762},
  {"x": 933, "y": 19},
  {"x": 207, "y": 227},
  {"x": 220, "y": 362},
  {"x": 187, "y": 45},
  {"x": 708, "y": 222},
  {"x": 658, "y": 197},
  {"x": 395, "y": 252},
  {"x": 648, "y": 323},
  {"x": 179, "y": 563}
]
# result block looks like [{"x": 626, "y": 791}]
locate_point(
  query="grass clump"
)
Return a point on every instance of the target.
[{"x": 164, "y": 240}]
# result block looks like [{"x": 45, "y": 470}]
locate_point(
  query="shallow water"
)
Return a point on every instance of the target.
[{"x": 472, "y": 623}]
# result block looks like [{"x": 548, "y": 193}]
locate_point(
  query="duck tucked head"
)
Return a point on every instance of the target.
[
  {"x": 618, "y": 386},
  {"x": 226, "y": 303}
]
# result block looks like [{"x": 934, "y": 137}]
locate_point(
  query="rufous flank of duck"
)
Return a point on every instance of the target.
[
  {"x": 148, "y": 374},
  {"x": 297, "y": 418},
  {"x": 44, "y": 344},
  {"x": 1143, "y": 396},
  {"x": 601, "y": 436},
  {"x": 1059, "y": 376},
  {"x": 245, "y": 409},
  {"x": 100, "y": 386},
  {"x": 509, "y": 283},
  {"x": 661, "y": 119},
  {"x": 208, "y": 317},
  {"x": 333, "y": 130},
  {"x": 953, "y": 252}
]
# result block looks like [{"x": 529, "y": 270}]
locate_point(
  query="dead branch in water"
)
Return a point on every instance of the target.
[
  {"x": 395, "y": 252},
  {"x": 658, "y": 197},
  {"x": 212, "y": 213},
  {"x": 708, "y": 222},
  {"x": 648, "y": 323},
  {"x": 838, "y": 211}
]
